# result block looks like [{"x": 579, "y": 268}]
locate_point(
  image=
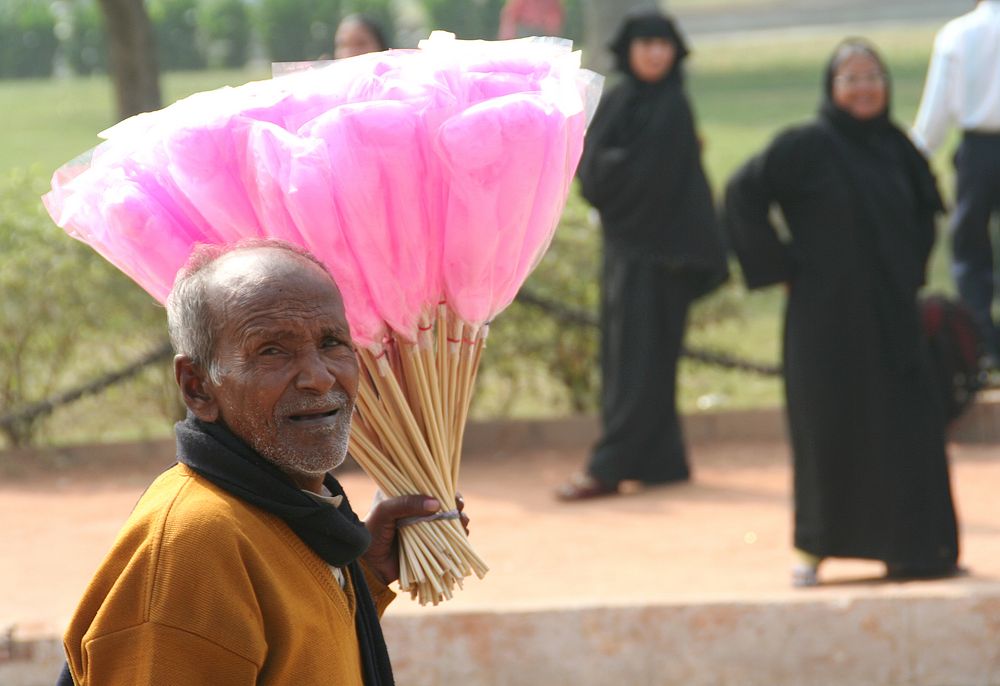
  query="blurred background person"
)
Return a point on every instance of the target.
[
  {"x": 521, "y": 18},
  {"x": 867, "y": 429},
  {"x": 963, "y": 90},
  {"x": 641, "y": 169},
  {"x": 358, "y": 34}
]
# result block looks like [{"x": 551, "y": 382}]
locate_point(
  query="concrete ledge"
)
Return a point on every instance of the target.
[
  {"x": 940, "y": 637},
  {"x": 580, "y": 433},
  {"x": 893, "y": 639}
]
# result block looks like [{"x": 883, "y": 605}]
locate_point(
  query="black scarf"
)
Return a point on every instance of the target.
[
  {"x": 895, "y": 200},
  {"x": 334, "y": 533}
]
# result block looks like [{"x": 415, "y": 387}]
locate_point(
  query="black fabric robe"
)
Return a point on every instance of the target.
[
  {"x": 867, "y": 430},
  {"x": 641, "y": 169}
]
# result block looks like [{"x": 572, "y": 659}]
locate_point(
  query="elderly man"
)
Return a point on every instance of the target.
[{"x": 244, "y": 563}]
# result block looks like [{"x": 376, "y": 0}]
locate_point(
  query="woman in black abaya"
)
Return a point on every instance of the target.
[
  {"x": 867, "y": 430},
  {"x": 641, "y": 169}
]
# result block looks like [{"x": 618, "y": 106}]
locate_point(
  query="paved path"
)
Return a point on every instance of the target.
[{"x": 723, "y": 537}]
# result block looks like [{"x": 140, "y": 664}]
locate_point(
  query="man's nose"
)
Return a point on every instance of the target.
[{"x": 315, "y": 373}]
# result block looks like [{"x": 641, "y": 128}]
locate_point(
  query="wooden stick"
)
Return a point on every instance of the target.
[
  {"x": 432, "y": 380},
  {"x": 412, "y": 405},
  {"x": 469, "y": 385},
  {"x": 442, "y": 358},
  {"x": 404, "y": 458},
  {"x": 397, "y": 403},
  {"x": 432, "y": 430},
  {"x": 454, "y": 359}
]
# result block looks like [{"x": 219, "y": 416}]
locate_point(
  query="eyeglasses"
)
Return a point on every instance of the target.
[{"x": 875, "y": 78}]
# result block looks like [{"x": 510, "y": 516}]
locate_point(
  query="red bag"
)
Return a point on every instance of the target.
[{"x": 955, "y": 348}]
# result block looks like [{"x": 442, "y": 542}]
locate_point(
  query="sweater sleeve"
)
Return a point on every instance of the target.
[
  {"x": 763, "y": 181},
  {"x": 381, "y": 594},
  {"x": 152, "y": 654}
]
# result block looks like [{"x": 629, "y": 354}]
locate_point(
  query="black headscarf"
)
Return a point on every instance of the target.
[
  {"x": 879, "y": 135},
  {"x": 641, "y": 165},
  {"x": 896, "y": 199},
  {"x": 647, "y": 23}
]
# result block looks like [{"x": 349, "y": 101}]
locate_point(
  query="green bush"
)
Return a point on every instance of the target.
[
  {"x": 175, "y": 26},
  {"x": 465, "y": 18},
  {"x": 226, "y": 29},
  {"x": 296, "y": 30},
  {"x": 65, "y": 314},
  {"x": 85, "y": 46},
  {"x": 27, "y": 39}
]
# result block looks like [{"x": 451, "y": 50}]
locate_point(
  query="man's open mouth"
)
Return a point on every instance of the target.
[{"x": 312, "y": 416}]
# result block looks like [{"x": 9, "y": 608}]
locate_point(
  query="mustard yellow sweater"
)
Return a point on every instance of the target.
[{"x": 202, "y": 588}]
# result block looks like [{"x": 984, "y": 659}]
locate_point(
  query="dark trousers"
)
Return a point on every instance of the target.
[
  {"x": 977, "y": 167},
  {"x": 644, "y": 311}
]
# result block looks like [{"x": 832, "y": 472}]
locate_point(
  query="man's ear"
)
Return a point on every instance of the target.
[{"x": 196, "y": 389}]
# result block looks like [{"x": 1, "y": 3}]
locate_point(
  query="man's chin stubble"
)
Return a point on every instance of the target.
[{"x": 308, "y": 462}]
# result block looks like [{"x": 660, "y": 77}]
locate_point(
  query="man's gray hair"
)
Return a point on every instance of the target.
[{"x": 191, "y": 320}]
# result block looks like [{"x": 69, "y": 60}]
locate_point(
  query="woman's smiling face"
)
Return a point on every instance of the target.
[{"x": 859, "y": 87}]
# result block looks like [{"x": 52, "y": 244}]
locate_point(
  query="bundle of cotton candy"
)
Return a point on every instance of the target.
[{"x": 429, "y": 181}]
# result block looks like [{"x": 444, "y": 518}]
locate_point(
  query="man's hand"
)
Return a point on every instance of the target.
[{"x": 382, "y": 556}]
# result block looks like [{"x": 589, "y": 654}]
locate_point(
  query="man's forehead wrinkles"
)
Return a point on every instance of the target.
[{"x": 292, "y": 319}]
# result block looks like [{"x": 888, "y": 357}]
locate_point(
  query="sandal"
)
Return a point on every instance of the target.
[{"x": 584, "y": 487}]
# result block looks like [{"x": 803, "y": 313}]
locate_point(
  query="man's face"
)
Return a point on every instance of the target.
[{"x": 287, "y": 372}]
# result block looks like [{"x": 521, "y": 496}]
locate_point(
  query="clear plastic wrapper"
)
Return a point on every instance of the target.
[{"x": 429, "y": 182}]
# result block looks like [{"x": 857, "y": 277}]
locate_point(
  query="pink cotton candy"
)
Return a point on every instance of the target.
[
  {"x": 384, "y": 209},
  {"x": 310, "y": 204},
  {"x": 206, "y": 164},
  {"x": 489, "y": 208},
  {"x": 412, "y": 174},
  {"x": 136, "y": 224},
  {"x": 269, "y": 150},
  {"x": 562, "y": 157}
]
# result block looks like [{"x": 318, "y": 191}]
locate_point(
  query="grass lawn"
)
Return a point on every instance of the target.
[
  {"x": 50, "y": 121},
  {"x": 744, "y": 92}
]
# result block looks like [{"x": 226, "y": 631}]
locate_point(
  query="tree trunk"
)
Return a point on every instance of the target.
[
  {"x": 601, "y": 19},
  {"x": 132, "y": 56}
]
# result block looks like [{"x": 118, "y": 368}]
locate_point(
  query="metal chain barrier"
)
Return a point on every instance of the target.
[
  {"x": 567, "y": 315},
  {"x": 559, "y": 312},
  {"x": 35, "y": 411}
]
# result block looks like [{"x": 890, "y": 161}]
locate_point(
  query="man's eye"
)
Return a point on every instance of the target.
[
  {"x": 331, "y": 342},
  {"x": 270, "y": 350}
]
